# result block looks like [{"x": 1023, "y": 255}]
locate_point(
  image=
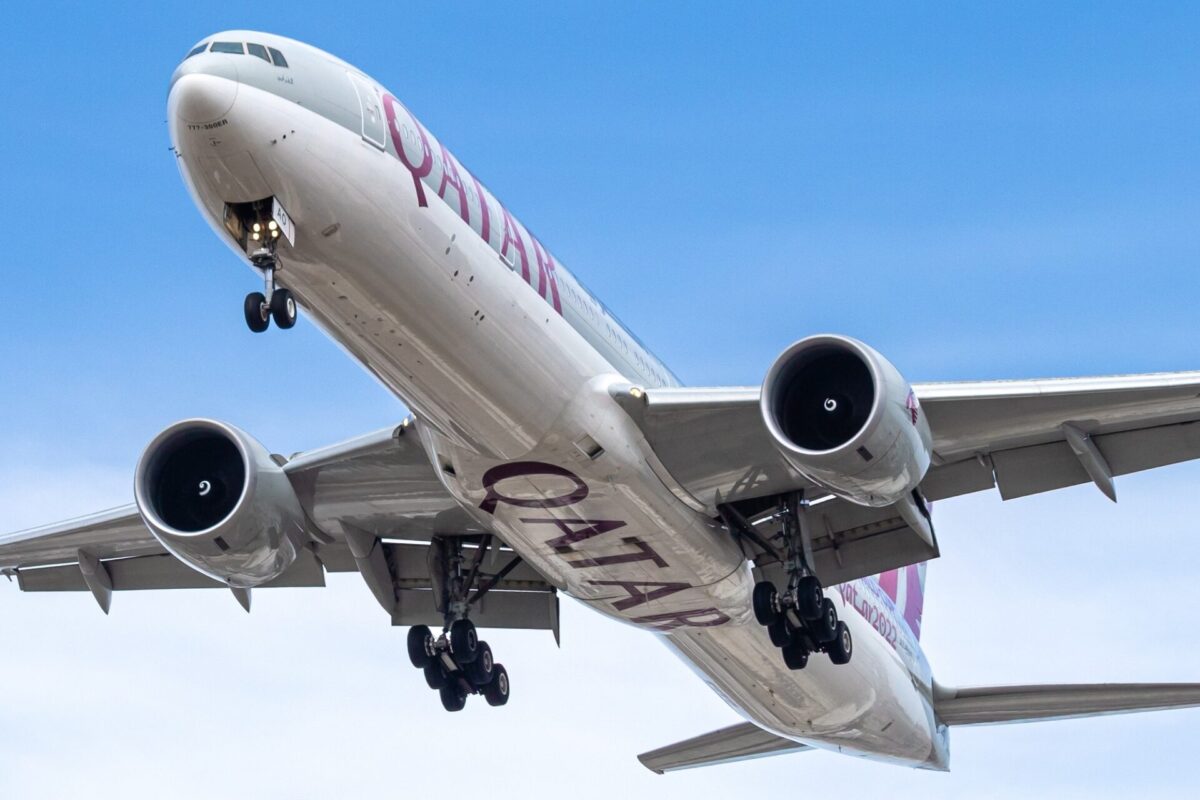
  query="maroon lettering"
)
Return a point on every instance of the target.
[
  {"x": 519, "y": 469},
  {"x": 638, "y": 596},
  {"x": 512, "y": 235},
  {"x": 644, "y": 552},
  {"x": 421, "y": 171},
  {"x": 451, "y": 178},
  {"x": 698, "y": 618},
  {"x": 590, "y": 528},
  {"x": 485, "y": 224},
  {"x": 546, "y": 274}
]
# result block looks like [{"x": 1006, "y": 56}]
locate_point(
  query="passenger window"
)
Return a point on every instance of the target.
[
  {"x": 260, "y": 51},
  {"x": 197, "y": 50},
  {"x": 277, "y": 57},
  {"x": 228, "y": 47}
]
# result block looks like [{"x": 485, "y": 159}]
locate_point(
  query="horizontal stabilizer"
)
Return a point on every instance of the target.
[
  {"x": 735, "y": 743},
  {"x": 992, "y": 705}
]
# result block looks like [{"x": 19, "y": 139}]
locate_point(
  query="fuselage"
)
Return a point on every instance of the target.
[{"x": 404, "y": 258}]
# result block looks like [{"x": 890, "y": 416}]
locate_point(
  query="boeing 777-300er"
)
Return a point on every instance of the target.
[{"x": 773, "y": 536}]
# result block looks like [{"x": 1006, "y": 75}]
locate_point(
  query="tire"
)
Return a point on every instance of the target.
[
  {"x": 480, "y": 671},
  {"x": 436, "y": 677},
  {"x": 419, "y": 651},
  {"x": 781, "y": 634},
  {"x": 809, "y": 598},
  {"x": 496, "y": 692},
  {"x": 256, "y": 320},
  {"x": 766, "y": 602},
  {"x": 283, "y": 308},
  {"x": 795, "y": 655},
  {"x": 453, "y": 697},
  {"x": 842, "y": 646},
  {"x": 825, "y": 628},
  {"x": 464, "y": 641}
]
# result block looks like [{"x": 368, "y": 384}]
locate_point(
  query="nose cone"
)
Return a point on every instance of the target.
[{"x": 203, "y": 89}]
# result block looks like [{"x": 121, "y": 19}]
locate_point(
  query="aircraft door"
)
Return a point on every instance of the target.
[{"x": 374, "y": 126}]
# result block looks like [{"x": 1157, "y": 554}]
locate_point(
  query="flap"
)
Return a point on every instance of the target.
[
  {"x": 157, "y": 572},
  {"x": 521, "y": 610},
  {"x": 1015, "y": 435}
]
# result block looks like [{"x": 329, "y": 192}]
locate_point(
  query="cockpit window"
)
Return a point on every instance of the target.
[
  {"x": 197, "y": 50},
  {"x": 260, "y": 51},
  {"x": 277, "y": 57},
  {"x": 228, "y": 47}
]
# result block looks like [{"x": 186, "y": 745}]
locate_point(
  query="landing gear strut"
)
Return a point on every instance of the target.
[
  {"x": 458, "y": 663},
  {"x": 800, "y": 620},
  {"x": 274, "y": 302}
]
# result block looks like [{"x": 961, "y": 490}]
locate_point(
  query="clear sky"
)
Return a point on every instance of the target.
[{"x": 991, "y": 190}]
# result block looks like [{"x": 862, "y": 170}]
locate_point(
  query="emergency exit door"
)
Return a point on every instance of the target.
[{"x": 374, "y": 126}]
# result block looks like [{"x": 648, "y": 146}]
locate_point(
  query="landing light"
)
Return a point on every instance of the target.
[
  {"x": 272, "y": 225},
  {"x": 256, "y": 227}
]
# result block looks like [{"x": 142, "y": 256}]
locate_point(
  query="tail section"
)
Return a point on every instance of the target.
[
  {"x": 994, "y": 705},
  {"x": 735, "y": 743},
  {"x": 906, "y": 587}
]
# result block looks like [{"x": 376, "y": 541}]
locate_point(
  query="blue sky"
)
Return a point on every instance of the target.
[{"x": 978, "y": 190}]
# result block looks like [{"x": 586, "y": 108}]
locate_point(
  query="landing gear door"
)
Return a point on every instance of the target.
[{"x": 374, "y": 126}]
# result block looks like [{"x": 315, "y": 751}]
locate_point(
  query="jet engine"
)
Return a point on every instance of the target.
[
  {"x": 843, "y": 416},
  {"x": 216, "y": 499}
]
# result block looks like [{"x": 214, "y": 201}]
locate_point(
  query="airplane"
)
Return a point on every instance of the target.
[{"x": 775, "y": 537}]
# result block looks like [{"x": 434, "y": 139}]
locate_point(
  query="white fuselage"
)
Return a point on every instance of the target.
[{"x": 508, "y": 362}]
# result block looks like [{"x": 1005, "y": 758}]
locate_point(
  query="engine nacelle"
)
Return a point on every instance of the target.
[
  {"x": 843, "y": 416},
  {"x": 215, "y": 498}
]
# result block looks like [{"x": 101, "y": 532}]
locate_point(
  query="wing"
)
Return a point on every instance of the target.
[
  {"x": 373, "y": 503},
  {"x": 1022, "y": 437},
  {"x": 1025, "y": 437},
  {"x": 712, "y": 449}
]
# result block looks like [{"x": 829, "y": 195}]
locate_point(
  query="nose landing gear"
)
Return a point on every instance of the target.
[{"x": 275, "y": 303}]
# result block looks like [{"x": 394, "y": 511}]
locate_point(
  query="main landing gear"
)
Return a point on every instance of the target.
[
  {"x": 458, "y": 663},
  {"x": 274, "y": 303},
  {"x": 800, "y": 620}
]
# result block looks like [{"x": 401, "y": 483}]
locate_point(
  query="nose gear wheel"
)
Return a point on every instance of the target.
[{"x": 274, "y": 302}]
